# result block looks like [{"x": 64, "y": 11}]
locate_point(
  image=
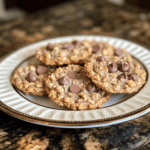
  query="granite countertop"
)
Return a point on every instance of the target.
[{"x": 86, "y": 17}]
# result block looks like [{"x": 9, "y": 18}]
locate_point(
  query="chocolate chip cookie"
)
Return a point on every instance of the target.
[
  {"x": 64, "y": 53},
  {"x": 31, "y": 79},
  {"x": 115, "y": 75},
  {"x": 69, "y": 86},
  {"x": 105, "y": 49}
]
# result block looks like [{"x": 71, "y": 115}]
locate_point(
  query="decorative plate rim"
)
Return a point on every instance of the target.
[
  {"x": 16, "y": 103},
  {"x": 76, "y": 124}
]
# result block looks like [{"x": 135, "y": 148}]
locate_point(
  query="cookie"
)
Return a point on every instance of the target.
[
  {"x": 64, "y": 53},
  {"x": 115, "y": 75},
  {"x": 70, "y": 87},
  {"x": 31, "y": 79},
  {"x": 105, "y": 49}
]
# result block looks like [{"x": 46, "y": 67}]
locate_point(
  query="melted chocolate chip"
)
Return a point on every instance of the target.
[
  {"x": 132, "y": 76},
  {"x": 68, "y": 46},
  {"x": 124, "y": 67},
  {"x": 125, "y": 75},
  {"x": 31, "y": 77},
  {"x": 76, "y": 43},
  {"x": 96, "y": 49},
  {"x": 121, "y": 76},
  {"x": 74, "y": 89},
  {"x": 50, "y": 46},
  {"x": 91, "y": 87},
  {"x": 101, "y": 58},
  {"x": 72, "y": 75},
  {"x": 112, "y": 68},
  {"x": 42, "y": 70},
  {"x": 63, "y": 81},
  {"x": 118, "y": 52}
]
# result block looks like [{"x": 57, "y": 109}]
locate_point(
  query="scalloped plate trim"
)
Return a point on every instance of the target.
[{"x": 75, "y": 124}]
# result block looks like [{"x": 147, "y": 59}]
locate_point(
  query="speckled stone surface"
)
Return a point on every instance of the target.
[{"x": 86, "y": 17}]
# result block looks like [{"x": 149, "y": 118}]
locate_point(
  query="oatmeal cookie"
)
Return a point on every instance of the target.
[
  {"x": 70, "y": 87},
  {"x": 105, "y": 49},
  {"x": 64, "y": 53},
  {"x": 31, "y": 79},
  {"x": 115, "y": 75}
]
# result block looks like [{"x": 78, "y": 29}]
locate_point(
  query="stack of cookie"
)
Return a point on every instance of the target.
[{"x": 80, "y": 75}]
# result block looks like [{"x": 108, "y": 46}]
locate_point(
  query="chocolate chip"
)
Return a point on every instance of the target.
[
  {"x": 76, "y": 43},
  {"x": 121, "y": 76},
  {"x": 118, "y": 52},
  {"x": 132, "y": 76},
  {"x": 91, "y": 87},
  {"x": 72, "y": 75},
  {"x": 68, "y": 46},
  {"x": 101, "y": 58},
  {"x": 31, "y": 77},
  {"x": 112, "y": 68},
  {"x": 125, "y": 75},
  {"x": 42, "y": 70},
  {"x": 124, "y": 67},
  {"x": 74, "y": 89},
  {"x": 50, "y": 46},
  {"x": 96, "y": 49},
  {"x": 63, "y": 81}
]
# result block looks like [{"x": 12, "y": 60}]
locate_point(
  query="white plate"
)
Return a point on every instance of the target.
[{"x": 41, "y": 110}]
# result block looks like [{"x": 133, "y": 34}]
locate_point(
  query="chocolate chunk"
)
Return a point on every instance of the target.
[
  {"x": 31, "y": 77},
  {"x": 124, "y": 67},
  {"x": 91, "y": 87},
  {"x": 68, "y": 46},
  {"x": 132, "y": 76},
  {"x": 50, "y": 46},
  {"x": 76, "y": 43},
  {"x": 63, "y": 81},
  {"x": 74, "y": 89},
  {"x": 121, "y": 76},
  {"x": 101, "y": 58},
  {"x": 118, "y": 52},
  {"x": 96, "y": 49},
  {"x": 42, "y": 70},
  {"x": 72, "y": 75},
  {"x": 112, "y": 68}
]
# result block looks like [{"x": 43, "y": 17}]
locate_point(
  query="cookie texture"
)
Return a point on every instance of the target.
[
  {"x": 31, "y": 79},
  {"x": 116, "y": 75},
  {"x": 102, "y": 48},
  {"x": 64, "y": 53},
  {"x": 70, "y": 87}
]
